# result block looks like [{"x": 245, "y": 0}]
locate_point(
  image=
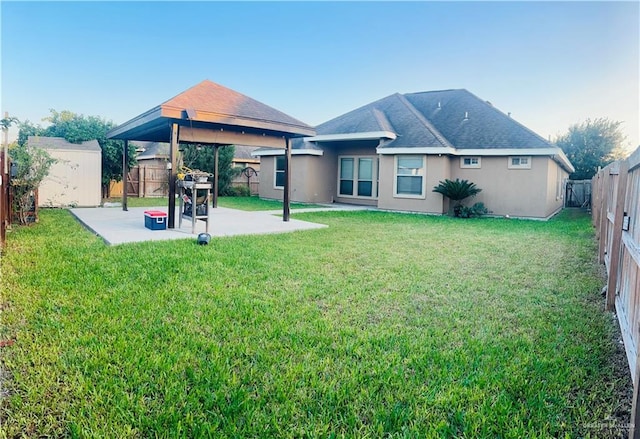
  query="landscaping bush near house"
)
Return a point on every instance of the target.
[
  {"x": 381, "y": 325},
  {"x": 458, "y": 190},
  {"x": 475, "y": 211}
]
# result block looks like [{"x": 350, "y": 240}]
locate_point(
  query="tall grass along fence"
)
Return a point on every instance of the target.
[{"x": 616, "y": 217}]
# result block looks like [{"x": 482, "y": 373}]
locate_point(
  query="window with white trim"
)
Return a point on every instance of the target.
[
  {"x": 278, "y": 178},
  {"x": 521, "y": 162},
  {"x": 409, "y": 176},
  {"x": 470, "y": 162},
  {"x": 358, "y": 177}
]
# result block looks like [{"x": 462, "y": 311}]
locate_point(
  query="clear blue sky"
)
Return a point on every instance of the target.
[{"x": 550, "y": 64}]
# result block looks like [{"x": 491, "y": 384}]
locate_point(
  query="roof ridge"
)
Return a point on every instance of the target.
[
  {"x": 190, "y": 88},
  {"x": 435, "y": 91},
  {"x": 366, "y": 107},
  {"x": 428, "y": 125},
  {"x": 383, "y": 121}
]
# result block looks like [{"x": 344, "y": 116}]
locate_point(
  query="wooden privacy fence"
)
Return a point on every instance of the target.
[
  {"x": 616, "y": 217},
  {"x": 5, "y": 204},
  {"x": 144, "y": 181},
  {"x": 148, "y": 181}
]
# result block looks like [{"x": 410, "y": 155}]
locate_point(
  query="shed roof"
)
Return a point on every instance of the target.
[
  {"x": 208, "y": 105},
  {"x": 153, "y": 150},
  {"x": 61, "y": 143}
]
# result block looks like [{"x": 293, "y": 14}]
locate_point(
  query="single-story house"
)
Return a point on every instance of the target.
[
  {"x": 75, "y": 179},
  {"x": 391, "y": 154},
  {"x": 244, "y": 158},
  {"x": 154, "y": 154}
]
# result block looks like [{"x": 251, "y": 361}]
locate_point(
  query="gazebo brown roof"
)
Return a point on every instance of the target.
[
  {"x": 211, "y": 114},
  {"x": 211, "y": 107}
]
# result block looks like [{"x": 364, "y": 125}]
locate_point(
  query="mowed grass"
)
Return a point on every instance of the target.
[
  {"x": 381, "y": 325},
  {"x": 241, "y": 203}
]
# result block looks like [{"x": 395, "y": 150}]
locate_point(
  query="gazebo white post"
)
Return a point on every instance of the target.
[
  {"x": 287, "y": 180},
  {"x": 173, "y": 176},
  {"x": 125, "y": 172}
]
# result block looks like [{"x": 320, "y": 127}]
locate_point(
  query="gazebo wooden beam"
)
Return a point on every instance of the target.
[{"x": 221, "y": 136}]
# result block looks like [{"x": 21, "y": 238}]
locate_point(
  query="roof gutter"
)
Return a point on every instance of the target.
[{"x": 280, "y": 151}]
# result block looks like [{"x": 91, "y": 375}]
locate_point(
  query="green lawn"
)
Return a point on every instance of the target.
[
  {"x": 241, "y": 203},
  {"x": 382, "y": 325}
]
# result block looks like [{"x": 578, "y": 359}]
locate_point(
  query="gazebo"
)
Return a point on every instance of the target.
[{"x": 210, "y": 114}]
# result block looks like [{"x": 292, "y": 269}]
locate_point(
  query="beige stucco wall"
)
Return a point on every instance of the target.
[
  {"x": 309, "y": 181},
  {"x": 530, "y": 192},
  {"x": 555, "y": 187},
  {"x": 267, "y": 178},
  {"x": 74, "y": 180},
  {"x": 514, "y": 192}
]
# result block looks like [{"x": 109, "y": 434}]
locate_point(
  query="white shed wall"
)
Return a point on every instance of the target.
[{"x": 74, "y": 180}]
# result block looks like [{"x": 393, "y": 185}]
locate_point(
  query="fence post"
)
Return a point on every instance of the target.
[
  {"x": 602, "y": 227},
  {"x": 614, "y": 257},
  {"x": 142, "y": 175},
  {"x": 595, "y": 202}
]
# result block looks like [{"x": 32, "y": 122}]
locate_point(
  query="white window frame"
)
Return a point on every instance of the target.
[
  {"x": 275, "y": 171},
  {"x": 422, "y": 173},
  {"x": 520, "y": 159},
  {"x": 471, "y": 165},
  {"x": 375, "y": 167}
]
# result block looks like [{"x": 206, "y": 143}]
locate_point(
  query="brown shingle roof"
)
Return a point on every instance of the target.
[
  {"x": 209, "y": 97},
  {"x": 210, "y": 106}
]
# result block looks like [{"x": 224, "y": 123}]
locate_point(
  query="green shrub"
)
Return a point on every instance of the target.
[
  {"x": 237, "y": 191},
  {"x": 475, "y": 211},
  {"x": 457, "y": 191}
]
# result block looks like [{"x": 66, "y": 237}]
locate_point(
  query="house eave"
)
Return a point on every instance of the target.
[
  {"x": 415, "y": 150},
  {"x": 555, "y": 153},
  {"x": 134, "y": 123},
  {"x": 289, "y": 130},
  {"x": 369, "y": 135},
  {"x": 273, "y": 152}
]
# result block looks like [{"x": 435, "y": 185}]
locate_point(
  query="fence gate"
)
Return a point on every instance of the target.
[{"x": 578, "y": 193}]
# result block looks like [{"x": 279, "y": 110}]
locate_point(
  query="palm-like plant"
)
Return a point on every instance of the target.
[{"x": 457, "y": 191}]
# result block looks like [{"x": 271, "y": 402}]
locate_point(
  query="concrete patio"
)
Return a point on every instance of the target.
[{"x": 116, "y": 226}]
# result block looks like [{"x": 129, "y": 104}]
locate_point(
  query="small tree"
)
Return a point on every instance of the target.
[
  {"x": 457, "y": 191},
  {"x": 592, "y": 144},
  {"x": 33, "y": 166},
  {"x": 6, "y": 122}
]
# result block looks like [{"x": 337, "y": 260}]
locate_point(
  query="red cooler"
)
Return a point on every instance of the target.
[{"x": 155, "y": 219}]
